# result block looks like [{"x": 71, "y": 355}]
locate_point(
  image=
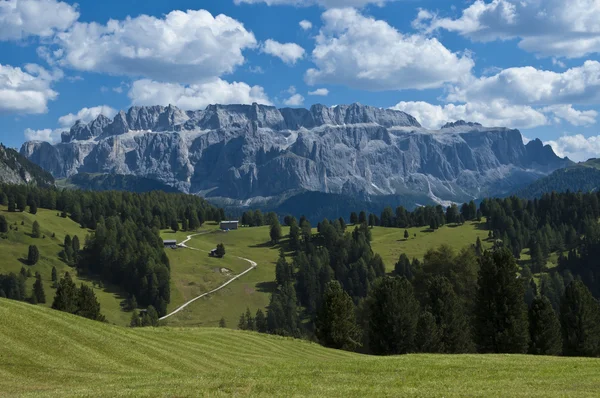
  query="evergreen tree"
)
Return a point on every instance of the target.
[
  {"x": 393, "y": 315},
  {"x": 282, "y": 315},
  {"x": 75, "y": 244},
  {"x": 12, "y": 207},
  {"x": 220, "y": 250},
  {"x": 38, "y": 289},
  {"x": 35, "y": 230},
  {"x": 580, "y": 321},
  {"x": 54, "y": 275},
  {"x": 260, "y": 321},
  {"x": 544, "y": 328},
  {"x": 404, "y": 268},
  {"x": 433, "y": 224},
  {"x": 33, "y": 255},
  {"x": 135, "y": 320},
  {"x": 362, "y": 217},
  {"x": 243, "y": 323},
  {"x": 428, "y": 336},
  {"x": 275, "y": 232},
  {"x": 249, "y": 320},
  {"x": 184, "y": 224},
  {"x": 501, "y": 313},
  {"x": 406, "y": 235},
  {"x": 478, "y": 247},
  {"x": 342, "y": 223},
  {"x": 294, "y": 236},
  {"x": 150, "y": 317},
  {"x": 353, "y": 218},
  {"x": 283, "y": 271},
  {"x": 33, "y": 208},
  {"x": 68, "y": 242},
  {"x": 335, "y": 322},
  {"x": 222, "y": 323},
  {"x": 3, "y": 224},
  {"x": 66, "y": 295},
  {"x": 175, "y": 225}
]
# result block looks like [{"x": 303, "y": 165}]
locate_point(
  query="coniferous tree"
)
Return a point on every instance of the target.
[
  {"x": 544, "y": 328},
  {"x": 3, "y": 225},
  {"x": 220, "y": 250},
  {"x": 282, "y": 315},
  {"x": 406, "y": 235},
  {"x": 243, "y": 323},
  {"x": 428, "y": 336},
  {"x": 54, "y": 275},
  {"x": 135, "y": 320},
  {"x": 404, "y": 268},
  {"x": 35, "y": 230},
  {"x": 393, "y": 315},
  {"x": 353, "y": 218},
  {"x": 249, "y": 320},
  {"x": 478, "y": 247},
  {"x": 66, "y": 295},
  {"x": 33, "y": 208},
  {"x": 580, "y": 321},
  {"x": 294, "y": 236},
  {"x": 150, "y": 317},
  {"x": 260, "y": 321},
  {"x": 362, "y": 217},
  {"x": 75, "y": 244},
  {"x": 501, "y": 324},
  {"x": 12, "y": 207},
  {"x": 175, "y": 225},
  {"x": 336, "y": 322},
  {"x": 222, "y": 323},
  {"x": 33, "y": 255},
  {"x": 38, "y": 289},
  {"x": 275, "y": 232},
  {"x": 283, "y": 270}
]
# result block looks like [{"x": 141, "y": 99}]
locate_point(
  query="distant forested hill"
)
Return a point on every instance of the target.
[
  {"x": 16, "y": 169},
  {"x": 583, "y": 177},
  {"x": 117, "y": 182}
]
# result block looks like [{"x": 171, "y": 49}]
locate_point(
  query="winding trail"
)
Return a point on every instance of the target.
[{"x": 253, "y": 265}]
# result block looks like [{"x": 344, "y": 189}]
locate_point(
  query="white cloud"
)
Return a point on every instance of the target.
[
  {"x": 20, "y": 19},
  {"x": 290, "y": 53},
  {"x": 323, "y": 92},
  {"x": 294, "y": 100},
  {"x": 86, "y": 115},
  {"x": 559, "y": 63},
  {"x": 548, "y": 28},
  {"x": 26, "y": 91},
  {"x": 571, "y": 115},
  {"x": 48, "y": 135},
  {"x": 185, "y": 47},
  {"x": 528, "y": 85},
  {"x": 306, "y": 25},
  {"x": 369, "y": 54},
  {"x": 322, "y": 3},
  {"x": 195, "y": 96},
  {"x": 494, "y": 114},
  {"x": 576, "y": 147}
]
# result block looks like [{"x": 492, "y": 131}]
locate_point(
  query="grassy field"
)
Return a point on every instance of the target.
[
  {"x": 13, "y": 252},
  {"x": 49, "y": 353},
  {"x": 191, "y": 267}
]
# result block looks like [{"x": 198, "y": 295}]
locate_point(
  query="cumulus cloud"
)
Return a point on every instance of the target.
[
  {"x": 547, "y": 28},
  {"x": 20, "y": 19},
  {"x": 195, "y": 96},
  {"x": 185, "y": 47},
  {"x": 572, "y": 115},
  {"x": 528, "y": 85},
  {"x": 494, "y": 114},
  {"x": 26, "y": 91},
  {"x": 86, "y": 115},
  {"x": 576, "y": 147},
  {"x": 323, "y": 92},
  {"x": 294, "y": 100},
  {"x": 365, "y": 53},
  {"x": 306, "y": 25},
  {"x": 289, "y": 53},
  {"x": 48, "y": 135},
  {"x": 322, "y": 3}
]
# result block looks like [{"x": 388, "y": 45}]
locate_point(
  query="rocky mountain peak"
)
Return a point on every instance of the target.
[{"x": 460, "y": 123}]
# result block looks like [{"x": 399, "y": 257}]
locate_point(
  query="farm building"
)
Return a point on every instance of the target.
[
  {"x": 225, "y": 225},
  {"x": 170, "y": 244}
]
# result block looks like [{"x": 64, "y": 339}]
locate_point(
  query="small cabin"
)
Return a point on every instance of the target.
[
  {"x": 229, "y": 225},
  {"x": 170, "y": 244}
]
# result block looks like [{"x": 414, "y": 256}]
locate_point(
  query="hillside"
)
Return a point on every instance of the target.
[
  {"x": 584, "y": 177},
  {"x": 114, "y": 182},
  {"x": 17, "y": 169},
  {"x": 56, "y": 354}
]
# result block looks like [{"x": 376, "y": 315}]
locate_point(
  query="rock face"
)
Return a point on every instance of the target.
[
  {"x": 253, "y": 153},
  {"x": 15, "y": 169}
]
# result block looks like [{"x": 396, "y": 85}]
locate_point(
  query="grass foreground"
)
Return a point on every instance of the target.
[{"x": 50, "y": 353}]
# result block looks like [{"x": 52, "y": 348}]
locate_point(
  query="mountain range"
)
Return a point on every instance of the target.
[
  {"x": 253, "y": 155},
  {"x": 15, "y": 169}
]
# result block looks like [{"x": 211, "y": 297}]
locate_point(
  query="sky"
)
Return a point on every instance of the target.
[{"x": 527, "y": 64}]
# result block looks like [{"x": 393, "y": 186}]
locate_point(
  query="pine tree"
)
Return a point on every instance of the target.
[
  {"x": 220, "y": 250},
  {"x": 135, "y": 320},
  {"x": 66, "y": 295},
  {"x": 38, "y": 289},
  {"x": 242, "y": 323},
  {"x": 3, "y": 224},
  {"x": 580, "y": 321},
  {"x": 54, "y": 275},
  {"x": 501, "y": 313},
  {"x": 406, "y": 235},
  {"x": 75, "y": 244},
  {"x": 335, "y": 322},
  {"x": 283, "y": 271},
  {"x": 11, "y": 205},
  {"x": 428, "y": 336},
  {"x": 33, "y": 208},
  {"x": 33, "y": 255},
  {"x": 174, "y": 225},
  {"x": 184, "y": 224},
  {"x": 403, "y": 267},
  {"x": 544, "y": 328},
  {"x": 353, "y": 218},
  {"x": 478, "y": 247},
  {"x": 275, "y": 232},
  {"x": 249, "y": 320},
  {"x": 393, "y": 315},
  {"x": 222, "y": 323},
  {"x": 151, "y": 316},
  {"x": 35, "y": 230},
  {"x": 260, "y": 321}
]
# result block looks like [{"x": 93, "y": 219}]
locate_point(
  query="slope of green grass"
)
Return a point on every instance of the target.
[
  {"x": 49, "y": 353},
  {"x": 390, "y": 242},
  {"x": 13, "y": 251}
]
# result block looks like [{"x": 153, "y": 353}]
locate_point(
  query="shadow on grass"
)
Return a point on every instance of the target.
[
  {"x": 266, "y": 287},
  {"x": 24, "y": 261},
  {"x": 481, "y": 226},
  {"x": 428, "y": 230}
]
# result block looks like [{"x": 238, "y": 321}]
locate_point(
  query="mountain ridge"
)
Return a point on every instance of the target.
[
  {"x": 257, "y": 153},
  {"x": 16, "y": 169}
]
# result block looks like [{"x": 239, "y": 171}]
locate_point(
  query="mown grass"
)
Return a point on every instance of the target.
[
  {"x": 13, "y": 253},
  {"x": 49, "y": 353}
]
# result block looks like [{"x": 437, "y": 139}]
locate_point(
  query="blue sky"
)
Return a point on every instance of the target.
[{"x": 527, "y": 64}]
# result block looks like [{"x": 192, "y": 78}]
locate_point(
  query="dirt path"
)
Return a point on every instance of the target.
[{"x": 183, "y": 244}]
